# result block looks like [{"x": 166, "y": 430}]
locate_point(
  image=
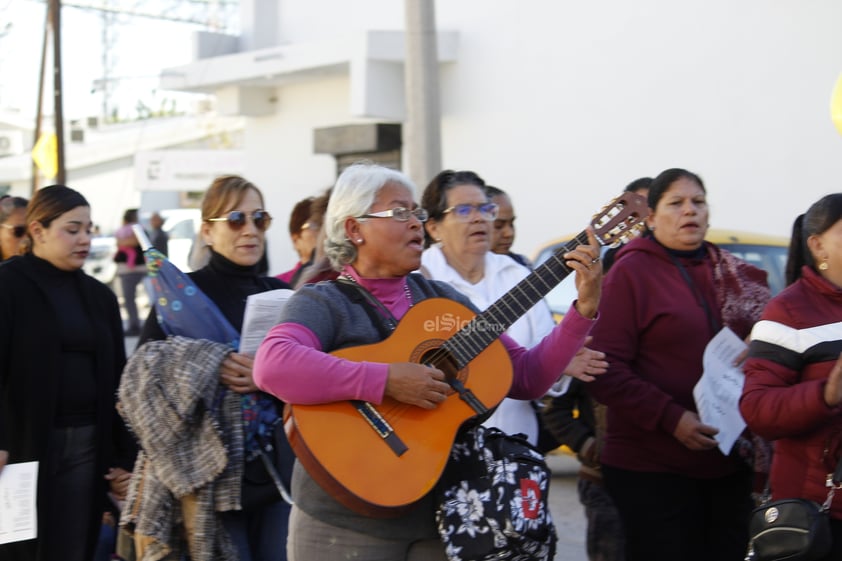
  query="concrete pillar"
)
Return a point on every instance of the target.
[{"x": 422, "y": 133}]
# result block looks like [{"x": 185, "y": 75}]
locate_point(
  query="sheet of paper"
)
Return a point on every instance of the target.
[
  {"x": 717, "y": 392},
  {"x": 263, "y": 312},
  {"x": 18, "y": 514}
]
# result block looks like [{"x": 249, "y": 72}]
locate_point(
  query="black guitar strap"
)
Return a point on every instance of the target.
[
  {"x": 359, "y": 295},
  {"x": 381, "y": 317}
]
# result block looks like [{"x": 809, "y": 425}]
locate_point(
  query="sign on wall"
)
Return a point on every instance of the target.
[{"x": 184, "y": 170}]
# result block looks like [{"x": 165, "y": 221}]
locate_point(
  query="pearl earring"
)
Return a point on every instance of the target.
[
  {"x": 824, "y": 266},
  {"x": 360, "y": 240}
]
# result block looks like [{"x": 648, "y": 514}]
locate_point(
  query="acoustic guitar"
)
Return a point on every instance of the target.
[{"x": 379, "y": 460}]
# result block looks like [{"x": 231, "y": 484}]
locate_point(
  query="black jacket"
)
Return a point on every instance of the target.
[{"x": 30, "y": 351}]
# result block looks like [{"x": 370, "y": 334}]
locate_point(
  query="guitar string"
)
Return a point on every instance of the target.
[
  {"x": 459, "y": 342},
  {"x": 460, "y": 345},
  {"x": 619, "y": 229},
  {"x": 463, "y": 346}
]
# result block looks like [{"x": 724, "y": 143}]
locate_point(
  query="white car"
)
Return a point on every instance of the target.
[
  {"x": 100, "y": 262},
  {"x": 182, "y": 227}
]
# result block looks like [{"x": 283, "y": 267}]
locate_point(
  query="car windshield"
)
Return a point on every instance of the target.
[{"x": 771, "y": 258}]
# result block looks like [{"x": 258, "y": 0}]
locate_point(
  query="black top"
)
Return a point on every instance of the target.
[
  {"x": 37, "y": 327},
  {"x": 77, "y": 380}
]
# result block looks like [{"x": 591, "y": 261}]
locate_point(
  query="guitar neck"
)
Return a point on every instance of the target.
[{"x": 487, "y": 326}]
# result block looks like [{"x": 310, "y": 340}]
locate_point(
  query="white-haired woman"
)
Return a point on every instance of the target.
[{"x": 375, "y": 238}]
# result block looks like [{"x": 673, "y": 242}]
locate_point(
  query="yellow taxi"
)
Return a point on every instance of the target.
[{"x": 764, "y": 251}]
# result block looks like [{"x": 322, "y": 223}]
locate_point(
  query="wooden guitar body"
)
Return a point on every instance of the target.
[
  {"x": 379, "y": 460},
  {"x": 350, "y": 458}
]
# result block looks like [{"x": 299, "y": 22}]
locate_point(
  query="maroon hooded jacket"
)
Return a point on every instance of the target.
[{"x": 654, "y": 329}]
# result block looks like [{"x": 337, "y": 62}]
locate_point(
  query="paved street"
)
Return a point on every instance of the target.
[{"x": 567, "y": 511}]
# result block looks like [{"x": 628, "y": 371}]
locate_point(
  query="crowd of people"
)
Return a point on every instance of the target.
[{"x": 183, "y": 441}]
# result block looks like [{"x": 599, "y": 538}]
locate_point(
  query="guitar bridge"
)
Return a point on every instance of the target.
[{"x": 380, "y": 426}]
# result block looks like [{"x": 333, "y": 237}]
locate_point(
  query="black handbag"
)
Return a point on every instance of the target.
[
  {"x": 267, "y": 476},
  {"x": 793, "y": 529}
]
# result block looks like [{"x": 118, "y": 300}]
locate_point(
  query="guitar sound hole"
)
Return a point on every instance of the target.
[{"x": 441, "y": 359}]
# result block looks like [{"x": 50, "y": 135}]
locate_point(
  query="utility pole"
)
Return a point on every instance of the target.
[
  {"x": 422, "y": 135},
  {"x": 39, "y": 111},
  {"x": 55, "y": 13}
]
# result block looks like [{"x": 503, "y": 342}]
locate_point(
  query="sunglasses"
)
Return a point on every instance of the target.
[
  {"x": 17, "y": 231},
  {"x": 237, "y": 219},
  {"x": 487, "y": 211}
]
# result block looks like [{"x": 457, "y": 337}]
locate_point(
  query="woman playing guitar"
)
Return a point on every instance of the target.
[{"x": 360, "y": 402}]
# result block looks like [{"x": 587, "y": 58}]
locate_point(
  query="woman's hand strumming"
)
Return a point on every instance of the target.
[{"x": 416, "y": 384}]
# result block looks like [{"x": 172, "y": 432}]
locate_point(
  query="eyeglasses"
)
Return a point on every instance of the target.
[
  {"x": 487, "y": 211},
  {"x": 400, "y": 214},
  {"x": 17, "y": 231},
  {"x": 237, "y": 219}
]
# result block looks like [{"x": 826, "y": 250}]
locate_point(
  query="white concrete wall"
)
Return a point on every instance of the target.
[
  {"x": 562, "y": 103},
  {"x": 280, "y": 158},
  {"x": 314, "y": 20},
  {"x": 110, "y": 191}
]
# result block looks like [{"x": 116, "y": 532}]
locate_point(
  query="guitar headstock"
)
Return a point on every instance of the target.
[{"x": 621, "y": 219}]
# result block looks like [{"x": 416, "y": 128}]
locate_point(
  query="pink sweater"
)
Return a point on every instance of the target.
[{"x": 290, "y": 363}]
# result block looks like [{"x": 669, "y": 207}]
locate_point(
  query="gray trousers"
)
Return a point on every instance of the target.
[{"x": 310, "y": 539}]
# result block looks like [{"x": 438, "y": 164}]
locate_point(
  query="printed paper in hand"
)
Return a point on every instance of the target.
[
  {"x": 718, "y": 391},
  {"x": 263, "y": 312},
  {"x": 18, "y": 515}
]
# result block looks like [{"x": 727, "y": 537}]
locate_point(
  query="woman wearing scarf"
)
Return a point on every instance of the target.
[
  {"x": 219, "y": 520},
  {"x": 667, "y": 296}
]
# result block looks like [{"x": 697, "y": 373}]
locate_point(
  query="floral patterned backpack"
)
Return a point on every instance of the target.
[{"x": 493, "y": 499}]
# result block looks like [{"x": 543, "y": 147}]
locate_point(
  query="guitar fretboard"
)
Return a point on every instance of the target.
[{"x": 467, "y": 343}]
